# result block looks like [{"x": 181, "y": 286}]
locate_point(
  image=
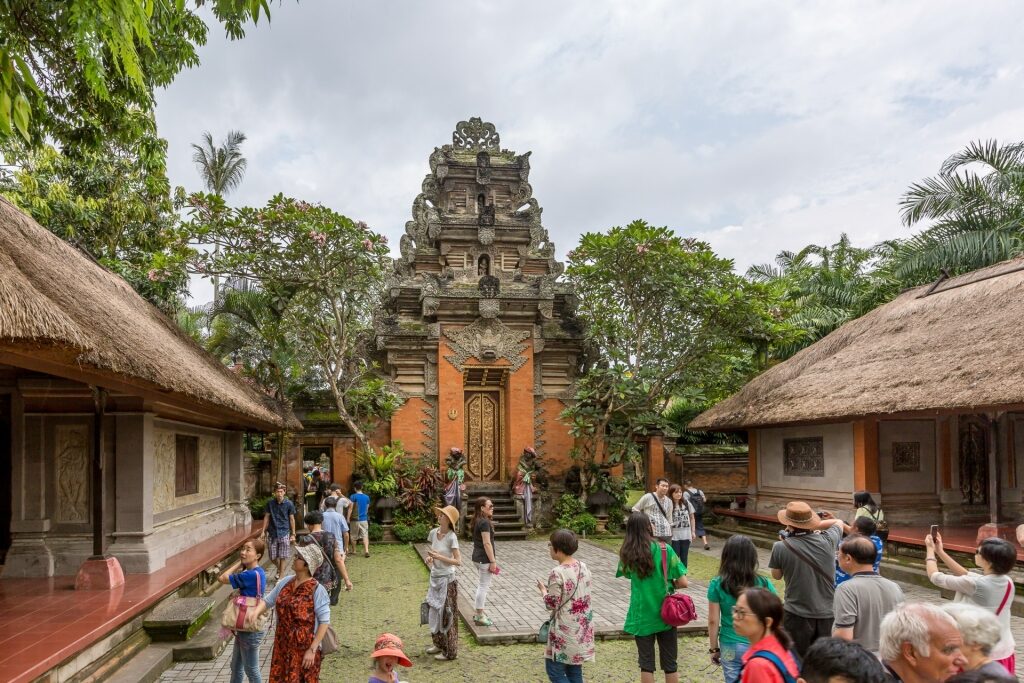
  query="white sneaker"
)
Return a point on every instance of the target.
[{"x": 432, "y": 650}]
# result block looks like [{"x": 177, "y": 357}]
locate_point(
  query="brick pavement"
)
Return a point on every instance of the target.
[{"x": 515, "y": 606}]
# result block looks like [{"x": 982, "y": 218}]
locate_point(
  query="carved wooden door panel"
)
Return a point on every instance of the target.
[
  {"x": 974, "y": 459},
  {"x": 483, "y": 436}
]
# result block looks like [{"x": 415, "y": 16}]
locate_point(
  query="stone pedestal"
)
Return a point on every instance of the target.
[
  {"x": 1002, "y": 530},
  {"x": 99, "y": 573}
]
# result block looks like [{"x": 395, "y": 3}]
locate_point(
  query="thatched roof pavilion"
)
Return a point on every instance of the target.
[
  {"x": 953, "y": 347},
  {"x": 920, "y": 401},
  {"x": 63, "y": 314}
]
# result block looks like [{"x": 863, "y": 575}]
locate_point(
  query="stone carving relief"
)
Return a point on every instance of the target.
[
  {"x": 483, "y": 168},
  {"x": 430, "y": 375},
  {"x": 430, "y": 422},
  {"x": 546, "y": 309},
  {"x": 489, "y": 308},
  {"x": 906, "y": 456},
  {"x": 487, "y": 340},
  {"x": 490, "y": 286},
  {"x": 803, "y": 457},
  {"x": 538, "y": 430},
  {"x": 475, "y": 134},
  {"x": 72, "y": 451},
  {"x": 485, "y": 234}
]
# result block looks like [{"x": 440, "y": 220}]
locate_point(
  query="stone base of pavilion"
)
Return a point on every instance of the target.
[{"x": 515, "y": 605}]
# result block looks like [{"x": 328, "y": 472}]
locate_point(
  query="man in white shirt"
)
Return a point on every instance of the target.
[{"x": 658, "y": 507}]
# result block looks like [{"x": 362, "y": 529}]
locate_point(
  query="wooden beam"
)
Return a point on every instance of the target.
[{"x": 865, "y": 455}]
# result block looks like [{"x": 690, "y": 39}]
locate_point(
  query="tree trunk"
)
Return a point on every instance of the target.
[{"x": 349, "y": 421}]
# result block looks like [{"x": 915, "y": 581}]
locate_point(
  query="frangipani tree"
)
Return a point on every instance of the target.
[{"x": 324, "y": 273}]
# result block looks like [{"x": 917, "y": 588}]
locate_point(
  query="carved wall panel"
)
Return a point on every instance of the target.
[
  {"x": 804, "y": 457},
  {"x": 211, "y": 463},
  {"x": 906, "y": 456},
  {"x": 72, "y": 457},
  {"x": 487, "y": 340}
]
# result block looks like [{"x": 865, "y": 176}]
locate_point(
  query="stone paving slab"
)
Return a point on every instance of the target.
[{"x": 516, "y": 608}]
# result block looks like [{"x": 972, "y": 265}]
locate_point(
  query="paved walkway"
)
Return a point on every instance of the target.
[{"x": 515, "y": 605}]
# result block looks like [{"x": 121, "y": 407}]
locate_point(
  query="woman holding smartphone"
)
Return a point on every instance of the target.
[{"x": 483, "y": 555}]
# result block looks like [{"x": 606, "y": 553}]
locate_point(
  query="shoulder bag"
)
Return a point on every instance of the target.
[
  {"x": 1009, "y": 591},
  {"x": 545, "y": 628},
  {"x": 677, "y": 609},
  {"x": 660, "y": 509},
  {"x": 238, "y": 614},
  {"x": 829, "y": 580},
  {"x": 779, "y": 665},
  {"x": 881, "y": 526}
]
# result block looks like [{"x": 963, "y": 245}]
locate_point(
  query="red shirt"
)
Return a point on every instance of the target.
[{"x": 761, "y": 670}]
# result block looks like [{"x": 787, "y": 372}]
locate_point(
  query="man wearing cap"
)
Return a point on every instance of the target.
[
  {"x": 805, "y": 557},
  {"x": 279, "y": 528}
]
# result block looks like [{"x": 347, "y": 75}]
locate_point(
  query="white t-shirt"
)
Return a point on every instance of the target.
[{"x": 443, "y": 546}]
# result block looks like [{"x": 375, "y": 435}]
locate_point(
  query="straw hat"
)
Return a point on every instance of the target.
[
  {"x": 311, "y": 555},
  {"x": 451, "y": 512},
  {"x": 799, "y": 515},
  {"x": 389, "y": 645}
]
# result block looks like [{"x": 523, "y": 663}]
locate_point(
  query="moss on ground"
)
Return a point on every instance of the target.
[{"x": 389, "y": 587}]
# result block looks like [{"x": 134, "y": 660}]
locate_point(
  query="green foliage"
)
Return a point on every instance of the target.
[
  {"x": 325, "y": 272},
  {"x": 668, "y": 318},
  {"x": 616, "y": 518},
  {"x": 420, "y": 487},
  {"x": 584, "y": 524},
  {"x": 681, "y": 412},
  {"x": 375, "y": 531},
  {"x": 109, "y": 202},
  {"x": 258, "y": 506},
  {"x": 412, "y": 533},
  {"x": 78, "y": 72},
  {"x": 571, "y": 513},
  {"x": 377, "y": 470}
]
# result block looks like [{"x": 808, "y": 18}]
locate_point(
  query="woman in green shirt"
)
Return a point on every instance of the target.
[
  {"x": 640, "y": 560},
  {"x": 736, "y": 573}
]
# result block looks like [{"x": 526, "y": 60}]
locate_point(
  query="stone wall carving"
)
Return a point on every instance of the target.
[
  {"x": 487, "y": 340},
  {"x": 906, "y": 456},
  {"x": 430, "y": 422},
  {"x": 475, "y": 134},
  {"x": 72, "y": 457},
  {"x": 489, "y": 308},
  {"x": 538, "y": 430},
  {"x": 211, "y": 464},
  {"x": 430, "y": 375},
  {"x": 804, "y": 457}
]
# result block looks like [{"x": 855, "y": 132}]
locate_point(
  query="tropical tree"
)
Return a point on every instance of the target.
[
  {"x": 222, "y": 169},
  {"x": 824, "y": 287},
  {"x": 973, "y": 210},
  {"x": 324, "y": 273},
  {"x": 666, "y": 318}
]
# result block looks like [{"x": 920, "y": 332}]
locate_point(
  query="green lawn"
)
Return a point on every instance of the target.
[{"x": 389, "y": 587}]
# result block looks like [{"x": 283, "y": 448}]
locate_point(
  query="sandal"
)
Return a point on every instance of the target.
[{"x": 482, "y": 621}]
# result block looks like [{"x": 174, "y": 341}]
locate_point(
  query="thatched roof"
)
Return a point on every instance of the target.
[
  {"x": 958, "y": 348},
  {"x": 60, "y": 308}
]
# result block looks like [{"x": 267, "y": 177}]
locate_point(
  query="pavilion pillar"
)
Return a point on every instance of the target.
[
  {"x": 995, "y": 485},
  {"x": 865, "y": 457}
]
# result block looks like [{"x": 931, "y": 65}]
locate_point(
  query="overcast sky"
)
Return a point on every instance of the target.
[{"x": 755, "y": 126}]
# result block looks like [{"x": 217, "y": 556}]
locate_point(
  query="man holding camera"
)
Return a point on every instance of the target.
[{"x": 805, "y": 557}]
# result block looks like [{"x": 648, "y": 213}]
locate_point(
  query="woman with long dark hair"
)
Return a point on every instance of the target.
[
  {"x": 757, "y": 617},
  {"x": 736, "y": 573},
  {"x": 641, "y": 560},
  {"x": 683, "y": 523},
  {"x": 483, "y": 555}
]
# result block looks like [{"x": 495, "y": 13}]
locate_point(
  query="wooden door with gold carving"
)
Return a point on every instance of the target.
[{"x": 483, "y": 435}]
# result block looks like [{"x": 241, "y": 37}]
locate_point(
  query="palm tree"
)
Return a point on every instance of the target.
[
  {"x": 976, "y": 208},
  {"x": 826, "y": 286},
  {"x": 221, "y": 168}
]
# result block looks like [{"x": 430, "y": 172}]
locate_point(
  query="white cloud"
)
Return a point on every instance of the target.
[{"x": 795, "y": 120}]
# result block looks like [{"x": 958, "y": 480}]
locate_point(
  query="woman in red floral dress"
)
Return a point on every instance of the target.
[
  {"x": 303, "y": 616},
  {"x": 567, "y": 594}
]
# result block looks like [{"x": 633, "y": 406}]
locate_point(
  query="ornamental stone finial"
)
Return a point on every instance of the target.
[{"x": 475, "y": 134}]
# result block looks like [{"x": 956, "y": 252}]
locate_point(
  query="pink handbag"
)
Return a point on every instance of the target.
[{"x": 677, "y": 609}]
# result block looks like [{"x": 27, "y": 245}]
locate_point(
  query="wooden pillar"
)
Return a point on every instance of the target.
[
  {"x": 945, "y": 453},
  {"x": 1011, "y": 453},
  {"x": 865, "y": 455},
  {"x": 994, "y": 469},
  {"x": 752, "y": 459},
  {"x": 99, "y": 536}
]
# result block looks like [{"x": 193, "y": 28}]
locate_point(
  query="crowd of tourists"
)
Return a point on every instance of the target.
[{"x": 840, "y": 622}]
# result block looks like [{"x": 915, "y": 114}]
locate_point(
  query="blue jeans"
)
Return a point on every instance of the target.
[
  {"x": 560, "y": 672},
  {"x": 246, "y": 657},
  {"x": 732, "y": 660}
]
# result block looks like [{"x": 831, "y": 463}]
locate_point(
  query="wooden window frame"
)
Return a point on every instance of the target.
[{"x": 186, "y": 465}]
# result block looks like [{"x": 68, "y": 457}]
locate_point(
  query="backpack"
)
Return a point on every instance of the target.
[
  {"x": 696, "y": 499},
  {"x": 326, "y": 575},
  {"x": 774, "y": 659}
]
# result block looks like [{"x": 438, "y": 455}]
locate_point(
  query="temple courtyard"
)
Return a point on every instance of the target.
[{"x": 391, "y": 583}]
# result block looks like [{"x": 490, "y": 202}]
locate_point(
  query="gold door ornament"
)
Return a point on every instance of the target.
[{"x": 483, "y": 436}]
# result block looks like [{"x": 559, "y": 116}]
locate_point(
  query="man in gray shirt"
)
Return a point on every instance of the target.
[
  {"x": 805, "y": 558},
  {"x": 862, "y": 601}
]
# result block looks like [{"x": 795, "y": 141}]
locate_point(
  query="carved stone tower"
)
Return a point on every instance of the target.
[{"x": 477, "y": 332}]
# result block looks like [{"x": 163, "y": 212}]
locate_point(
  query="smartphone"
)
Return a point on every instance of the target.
[{"x": 934, "y": 530}]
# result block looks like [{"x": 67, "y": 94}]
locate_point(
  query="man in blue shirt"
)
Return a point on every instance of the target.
[
  {"x": 279, "y": 528},
  {"x": 334, "y": 521},
  {"x": 361, "y": 529}
]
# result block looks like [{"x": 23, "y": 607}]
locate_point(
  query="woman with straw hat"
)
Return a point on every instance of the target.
[
  {"x": 303, "y": 616},
  {"x": 443, "y": 594}
]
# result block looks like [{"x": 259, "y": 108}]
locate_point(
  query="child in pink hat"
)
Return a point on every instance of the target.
[{"x": 387, "y": 652}]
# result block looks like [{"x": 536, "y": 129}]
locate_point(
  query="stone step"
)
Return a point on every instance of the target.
[
  {"x": 178, "y": 618},
  {"x": 510, "y": 535}
]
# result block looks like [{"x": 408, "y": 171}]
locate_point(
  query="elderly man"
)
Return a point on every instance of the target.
[
  {"x": 805, "y": 558},
  {"x": 833, "y": 660},
  {"x": 865, "y": 598},
  {"x": 920, "y": 643},
  {"x": 658, "y": 506}
]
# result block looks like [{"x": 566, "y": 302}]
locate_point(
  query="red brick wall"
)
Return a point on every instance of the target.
[
  {"x": 556, "y": 437},
  {"x": 407, "y": 426}
]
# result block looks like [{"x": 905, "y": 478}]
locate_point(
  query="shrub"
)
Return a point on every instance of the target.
[
  {"x": 616, "y": 518},
  {"x": 568, "y": 508},
  {"x": 375, "y": 531},
  {"x": 412, "y": 533},
  {"x": 585, "y": 523},
  {"x": 258, "y": 506}
]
